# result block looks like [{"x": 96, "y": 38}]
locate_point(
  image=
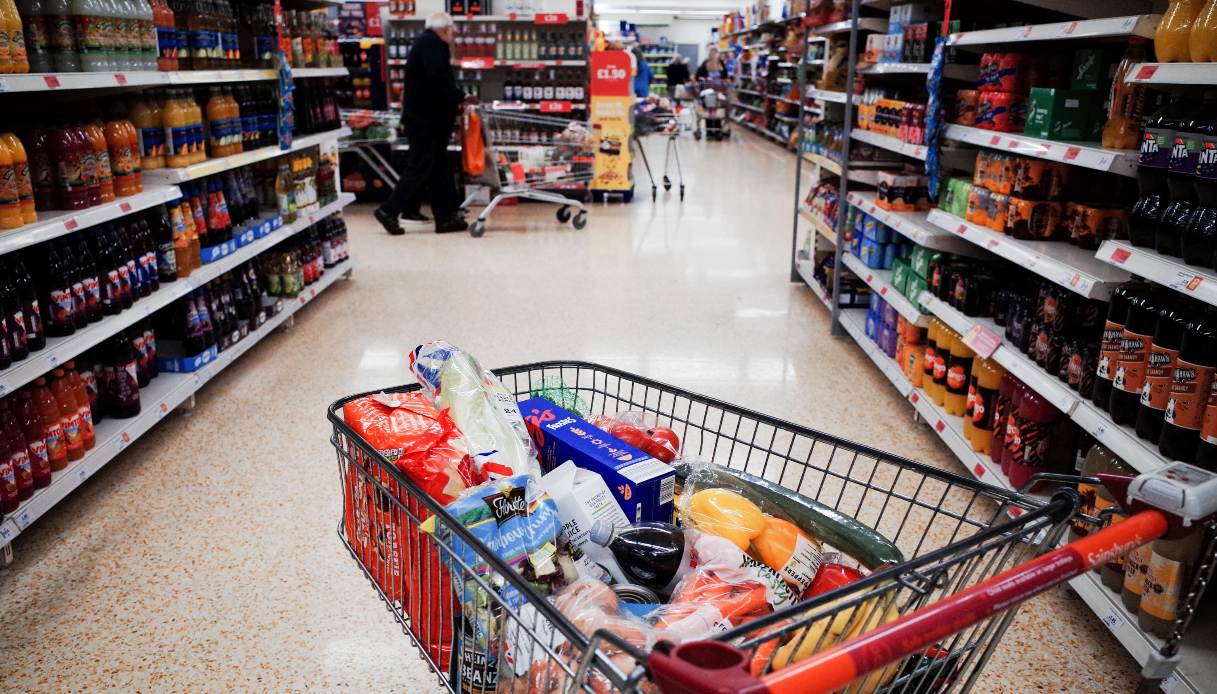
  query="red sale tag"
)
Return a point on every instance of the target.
[
  {"x": 993, "y": 243},
  {"x": 1072, "y": 153},
  {"x": 914, "y": 397},
  {"x": 120, "y": 78},
  {"x": 511, "y": 16},
  {"x": 556, "y": 106},
  {"x": 551, "y": 18},
  {"x": 961, "y": 229},
  {"x": 125, "y": 207},
  {"x": 979, "y": 470},
  {"x": 51, "y": 81},
  {"x": 1146, "y": 72},
  {"x": 1119, "y": 255},
  {"x": 70, "y": 223},
  {"x": 882, "y": 291},
  {"x": 869, "y": 278},
  {"x": 939, "y": 426},
  {"x": 994, "y": 141},
  {"x": 1191, "y": 286}
]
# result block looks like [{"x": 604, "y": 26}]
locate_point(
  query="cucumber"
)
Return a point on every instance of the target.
[{"x": 863, "y": 543}]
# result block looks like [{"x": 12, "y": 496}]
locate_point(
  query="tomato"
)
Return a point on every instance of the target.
[
  {"x": 830, "y": 577},
  {"x": 630, "y": 434},
  {"x": 658, "y": 450},
  {"x": 665, "y": 435}
]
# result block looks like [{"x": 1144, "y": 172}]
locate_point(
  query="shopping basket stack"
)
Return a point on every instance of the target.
[{"x": 955, "y": 559}]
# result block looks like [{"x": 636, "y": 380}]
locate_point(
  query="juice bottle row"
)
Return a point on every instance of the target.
[
  {"x": 316, "y": 107},
  {"x": 301, "y": 261},
  {"x": 314, "y": 42},
  {"x": 179, "y": 127},
  {"x": 214, "y": 315}
]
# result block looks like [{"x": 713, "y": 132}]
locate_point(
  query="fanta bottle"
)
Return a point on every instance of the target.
[{"x": 25, "y": 186}]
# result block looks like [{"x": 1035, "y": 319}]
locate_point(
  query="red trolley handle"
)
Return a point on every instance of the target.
[{"x": 712, "y": 666}]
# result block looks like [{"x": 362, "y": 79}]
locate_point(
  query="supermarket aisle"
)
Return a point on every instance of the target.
[{"x": 205, "y": 558}]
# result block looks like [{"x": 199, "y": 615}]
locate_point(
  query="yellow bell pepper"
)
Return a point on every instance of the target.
[{"x": 725, "y": 513}]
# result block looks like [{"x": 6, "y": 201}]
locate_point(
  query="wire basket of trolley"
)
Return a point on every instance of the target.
[
  {"x": 528, "y": 157},
  {"x": 798, "y": 562},
  {"x": 659, "y": 116}
]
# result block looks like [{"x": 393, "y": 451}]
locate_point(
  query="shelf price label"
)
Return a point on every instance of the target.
[
  {"x": 125, "y": 206},
  {"x": 1184, "y": 281},
  {"x": 979, "y": 470},
  {"x": 1119, "y": 255},
  {"x": 939, "y": 426},
  {"x": 1072, "y": 153},
  {"x": 981, "y": 340},
  {"x": 914, "y": 397},
  {"x": 24, "y": 519},
  {"x": 52, "y": 81},
  {"x": 120, "y": 78},
  {"x": 556, "y": 106},
  {"x": 552, "y": 18},
  {"x": 1146, "y": 72}
]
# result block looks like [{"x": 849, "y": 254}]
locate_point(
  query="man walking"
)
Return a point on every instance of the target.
[{"x": 429, "y": 109}]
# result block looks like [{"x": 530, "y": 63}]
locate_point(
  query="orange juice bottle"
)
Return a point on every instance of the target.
[
  {"x": 16, "y": 39},
  {"x": 10, "y": 201},
  {"x": 6, "y": 62},
  {"x": 25, "y": 187},
  {"x": 101, "y": 159},
  {"x": 1202, "y": 42},
  {"x": 194, "y": 116},
  {"x": 122, "y": 158},
  {"x": 234, "y": 122},
  {"x": 1174, "y": 31},
  {"x": 217, "y": 112},
  {"x": 130, "y": 136},
  {"x": 177, "y": 131},
  {"x": 147, "y": 116}
]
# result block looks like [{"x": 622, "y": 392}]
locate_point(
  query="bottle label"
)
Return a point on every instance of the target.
[
  {"x": 36, "y": 32},
  {"x": 264, "y": 46},
  {"x": 71, "y": 428},
  {"x": 182, "y": 43},
  {"x": 92, "y": 34},
  {"x": 20, "y": 461},
  {"x": 1185, "y": 152},
  {"x": 1189, "y": 393},
  {"x": 39, "y": 458},
  {"x": 102, "y": 164},
  {"x": 179, "y": 139},
  {"x": 1130, "y": 369},
  {"x": 8, "y": 479},
  {"x": 957, "y": 375},
  {"x": 88, "y": 167},
  {"x": 1206, "y": 158},
  {"x": 1156, "y": 146},
  {"x": 33, "y": 318},
  {"x": 62, "y": 305},
  {"x": 25, "y": 188},
  {"x": 71, "y": 174},
  {"x": 927, "y": 363},
  {"x": 120, "y": 34},
  {"x": 63, "y": 34},
  {"x": 231, "y": 46},
  {"x": 1159, "y": 371},
  {"x": 1208, "y": 425},
  {"x": 1163, "y": 583},
  {"x": 166, "y": 42},
  {"x": 54, "y": 441},
  {"x": 8, "y": 187},
  {"x": 85, "y": 414},
  {"x": 148, "y": 40}
]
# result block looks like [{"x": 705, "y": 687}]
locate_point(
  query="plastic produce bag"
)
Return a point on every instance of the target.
[
  {"x": 484, "y": 410},
  {"x": 554, "y": 390},
  {"x": 642, "y": 431}
]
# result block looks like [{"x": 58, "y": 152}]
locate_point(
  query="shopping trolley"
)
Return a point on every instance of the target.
[
  {"x": 712, "y": 101},
  {"x": 534, "y": 157},
  {"x": 653, "y": 115},
  {"x": 971, "y": 553},
  {"x": 370, "y": 131}
]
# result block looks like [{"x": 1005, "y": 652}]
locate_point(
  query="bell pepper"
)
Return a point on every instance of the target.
[{"x": 727, "y": 514}]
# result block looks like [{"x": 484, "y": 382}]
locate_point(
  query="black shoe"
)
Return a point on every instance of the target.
[
  {"x": 451, "y": 224},
  {"x": 415, "y": 218},
  {"x": 388, "y": 220}
]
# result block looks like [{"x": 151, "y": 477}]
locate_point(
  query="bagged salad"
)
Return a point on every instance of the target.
[{"x": 484, "y": 410}]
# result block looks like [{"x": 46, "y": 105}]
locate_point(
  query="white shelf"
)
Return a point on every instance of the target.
[
  {"x": 513, "y": 17},
  {"x": 1173, "y": 73},
  {"x": 159, "y": 398},
  {"x": 822, "y": 227},
  {"x": 1135, "y": 25},
  {"x": 1121, "y": 440},
  {"x": 804, "y": 268},
  {"x": 61, "y": 349},
  {"x": 763, "y": 132},
  {"x": 950, "y": 70},
  {"x": 1066, "y": 265},
  {"x": 487, "y": 63},
  {"x": 881, "y": 282},
  {"x": 913, "y": 226},
  {"x": 1198, "y": 669},
  {"x": 1087, "y": 154},
  {"x": 67, "y": 81},
  {"x": 786, "y": 119},
  {"x": 298, "y": 72},
  {"x": 215, "y": 166},
  {"x": 977, "y": 330},
  {"x": 854, "y": 322},
  {"x": 1198, "y": 283},
  {"x": 827, "y": 95},
  {"x": 864, "y": 24},
  {"x": 891, "y": 144},
  {"x": 823, "y": 162},
  {"x": 748, "y": 107},
  {"x": 56, "y": 223},
  {"x": 748, "y": 91}
]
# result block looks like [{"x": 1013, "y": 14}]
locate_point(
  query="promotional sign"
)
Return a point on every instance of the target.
[{"x": 610, "y": 118}]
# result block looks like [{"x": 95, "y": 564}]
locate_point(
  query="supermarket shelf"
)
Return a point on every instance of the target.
[
  {"x": 951, "y": 71},
  {"x": 1173, "y": 73},
  {"x": 158, "y": 399},
  {"x": 891, "y": 144},
  {"x": 1121, "y": 440},
  {"x": 950, "y": 430},
  {"x": 298, "y": 72},
  {"x": 983, "y": 335},
  {"x": 771, "y": 24},
  {"x": 826, "y": 95},
  {"x": 1135, "y": 25},
  {"x": 1198, "y": 669},
  {"x": 1089, "y": 155},
  {"x": 822, "y": 227},
  {"x": 913, "y": 225},
  {"x": 487, "y": 63},
  {"x": 68, "y": 81},
  {"x": 1066, "y": 265},
  {"x": 749, "y": 92},
  {"x": 864, "y": 24},
  {"x": 61, "y": 349},
  {"x": 762, "y": 131},
  {"x": 823, "y": 162},
  {"x": 512, "y": 17},
  {"x": 785, "y": 118},
  {"x": 749, "y": 107},
  {"x": 854, "y": 322},
  {"x": 881, "y": 282},
  {"x": 214, "y": 166},
  {"x": 1198, "y": 283},
  {"x": 538, "y": 106},
  {"x": 783, "y": 99},
  {"x": 804, "y": 268},
  {"x": 61, "y": 222}
]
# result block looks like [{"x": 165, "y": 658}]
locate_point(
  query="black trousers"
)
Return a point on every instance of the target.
[{"x": 427, "y": 175}]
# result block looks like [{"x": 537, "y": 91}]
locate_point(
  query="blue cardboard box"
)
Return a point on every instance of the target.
[
  {"x": 214, "y": 253},
  {"x": 188, "y": 364},
  {"x": 642, "y": 485}
]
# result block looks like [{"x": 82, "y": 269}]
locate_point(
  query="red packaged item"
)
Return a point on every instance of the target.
[
  {"x": 966, "y": 101},
  {"x": 1002, "y": 111},
  {"x": 426, "y": 445}
]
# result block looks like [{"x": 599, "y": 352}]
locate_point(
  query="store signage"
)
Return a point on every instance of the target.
[
  {"x": 552, "y": 18},
  {"x": 611, "y": 103}
]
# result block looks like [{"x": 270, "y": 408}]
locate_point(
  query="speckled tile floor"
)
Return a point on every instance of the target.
[{"x": 205, "y": 558}]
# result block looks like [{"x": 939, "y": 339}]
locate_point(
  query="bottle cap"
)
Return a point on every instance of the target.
[{"x": 602, "y": 532}]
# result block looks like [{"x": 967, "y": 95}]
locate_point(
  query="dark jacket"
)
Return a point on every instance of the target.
[
  {"x": 431, "y": 97},
  {"x": 678, "y": 73}
]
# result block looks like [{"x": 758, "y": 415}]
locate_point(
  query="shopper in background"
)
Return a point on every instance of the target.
[
  {"x": 429, "y": 109},
  {"x": 678, "y": 74},
  {"x": 642, "y": 74},
  {"x": 712, "y": 67}
]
